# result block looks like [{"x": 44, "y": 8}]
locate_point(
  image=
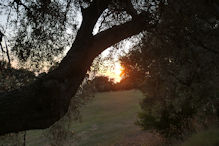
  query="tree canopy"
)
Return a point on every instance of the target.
[
  {"x": 38, "y": 26},
  {"x": 176, "y": 67}
]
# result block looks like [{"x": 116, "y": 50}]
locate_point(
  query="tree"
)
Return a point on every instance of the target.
[
  {"x": 102, "y": 84},
  {"x": 46, "y": 100},
  {"x": 178, "y": 68}
]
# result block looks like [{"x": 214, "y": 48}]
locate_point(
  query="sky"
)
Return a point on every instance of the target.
[{"x": 110, "y": 68}]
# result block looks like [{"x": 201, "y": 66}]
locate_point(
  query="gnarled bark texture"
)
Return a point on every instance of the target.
[{"x": 42, "y": 103}]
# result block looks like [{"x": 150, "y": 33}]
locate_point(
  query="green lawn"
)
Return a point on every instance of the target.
[{"x": 106, "y": 120}]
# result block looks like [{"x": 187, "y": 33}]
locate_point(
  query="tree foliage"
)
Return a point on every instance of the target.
[
  {"x": 38, "y": 25},
  {"x": 102, "y": 84},
  {"x": 176, "y": 67},
  {"x": 11, "y": 78}
]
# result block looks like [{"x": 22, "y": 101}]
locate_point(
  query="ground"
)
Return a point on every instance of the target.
[
  {"x": 110, "y": 120},
  {"x": 107, "y": 120}
]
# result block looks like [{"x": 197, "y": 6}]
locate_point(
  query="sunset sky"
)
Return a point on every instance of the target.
[{"x": 111, "y": 68}]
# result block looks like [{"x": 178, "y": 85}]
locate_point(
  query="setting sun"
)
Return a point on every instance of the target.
[
  {"x": 118, "y": 69},
  {"x": 114, "y": 72}
]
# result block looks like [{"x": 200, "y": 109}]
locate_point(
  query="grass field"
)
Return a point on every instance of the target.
[{"x": 107, "y": 120}]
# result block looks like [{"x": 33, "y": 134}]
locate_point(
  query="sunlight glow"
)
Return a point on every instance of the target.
[
  {"x": 118, "y": 69},
  {"x": 115, "y": 73}
]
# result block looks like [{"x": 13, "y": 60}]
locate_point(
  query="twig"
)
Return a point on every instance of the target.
[{"x": 7, "y": 52}]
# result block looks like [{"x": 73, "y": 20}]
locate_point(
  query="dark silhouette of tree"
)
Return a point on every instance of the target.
[
  {"x": 102, "y": 84},
  {"x": 178, "y": 70},
  {"x": 40, "y": 24}
]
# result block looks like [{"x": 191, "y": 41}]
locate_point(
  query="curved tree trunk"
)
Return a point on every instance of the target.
[{"x": 42, "y": 103}]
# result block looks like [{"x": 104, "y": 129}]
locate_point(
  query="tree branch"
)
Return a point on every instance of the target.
[{"x": 118, "y": 33}]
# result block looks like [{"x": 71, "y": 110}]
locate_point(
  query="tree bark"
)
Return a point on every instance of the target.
[{"x": 39, "y": 105}]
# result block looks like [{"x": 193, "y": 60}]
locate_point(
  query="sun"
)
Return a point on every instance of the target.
[
  {"x": 117, "y": 72},
  {"x": 113, "y": 70},
  {"x": 118, "y": 69}
]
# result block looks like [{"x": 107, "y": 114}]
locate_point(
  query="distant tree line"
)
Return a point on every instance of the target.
[{"x": 105, "y": 84}]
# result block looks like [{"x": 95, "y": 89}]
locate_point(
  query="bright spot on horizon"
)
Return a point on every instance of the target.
[
  {"x": 118, "y": 69},
  {"x": 115, "y": 73}
]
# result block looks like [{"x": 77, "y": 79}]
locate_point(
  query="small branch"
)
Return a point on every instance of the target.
[
  {"x": 130, "y": 9},
  {"x": 19, "y": 3},
  {"x": 7, "y": 52},
  {"x": 67, "y": 9},
  {"x": 104, "y": 18}
]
